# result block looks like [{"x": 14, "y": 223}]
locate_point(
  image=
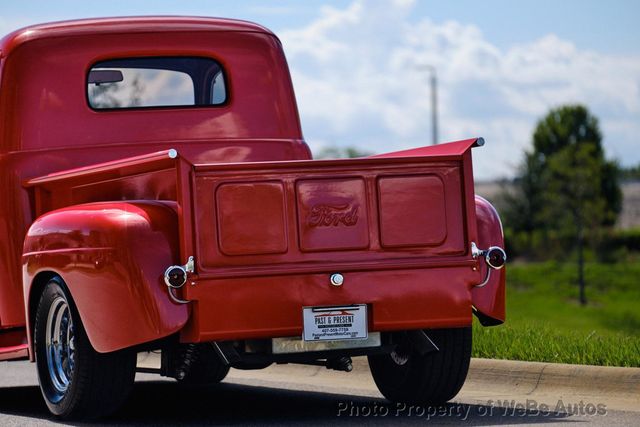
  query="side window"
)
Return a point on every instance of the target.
[
  {"x": 155, "y": 82},
  {"x": 218, "y": 89}
]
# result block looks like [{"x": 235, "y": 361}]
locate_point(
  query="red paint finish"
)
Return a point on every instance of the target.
[
  {"x": 18, "y": 167},
  {"x": 110, "y": 255},
  {"x": 13, "y": 344},
  {"x": 412, "y": 210},
  {"x": 335, "y": 220},
  {"x": 48, "y": 127},
  {"x": 242, "y": 225},
  {"x": 269, "y": 306},
  {"x": 332, "y": 214},
  {"x": 46, "y": 112},
  {"x": 15, "y": 352},
  {"x": 96, "y": 197},
  {"x": 13, "y": 337},
  {"x": 490, "y": 299}
]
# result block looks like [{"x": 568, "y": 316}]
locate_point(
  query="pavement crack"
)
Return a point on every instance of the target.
[{"x": 535, "y": 387}]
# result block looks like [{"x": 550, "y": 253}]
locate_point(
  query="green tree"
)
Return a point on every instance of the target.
[
  {"x": 565, "y": 189},
  {"x": 570, "y": 127},
  {"x": 574, "y": 203}
]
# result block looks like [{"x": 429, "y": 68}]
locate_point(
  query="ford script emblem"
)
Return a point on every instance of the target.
[{"x": 323, "y": 215}]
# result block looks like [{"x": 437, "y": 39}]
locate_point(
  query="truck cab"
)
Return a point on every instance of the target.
[{"x": 159, "y": 196}]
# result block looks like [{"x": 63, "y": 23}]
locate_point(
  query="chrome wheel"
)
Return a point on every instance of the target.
[
  {"x": 76, "y": 381},
  {"x": 60, "y": 345}
]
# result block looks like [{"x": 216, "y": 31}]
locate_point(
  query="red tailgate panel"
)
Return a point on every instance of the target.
[
  {"x": 269, "y": 235},
  {"x": 412, "y": 211},
  {"x": 332, "y": 214},
  {"x": 327, "y": 214},
  {"x": 264, "y": 307},
  {"x": 251, "y": 218}
]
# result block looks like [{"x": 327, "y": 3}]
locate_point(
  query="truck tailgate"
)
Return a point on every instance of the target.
[
  {"x": 268, "y": 235},
  {"x": 305, "y": 216}
]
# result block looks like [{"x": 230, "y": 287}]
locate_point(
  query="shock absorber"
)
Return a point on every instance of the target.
[{"x": 188, "y": 358}]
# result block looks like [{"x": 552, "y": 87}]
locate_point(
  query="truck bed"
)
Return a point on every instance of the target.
[{"x": 266, "y": 236}]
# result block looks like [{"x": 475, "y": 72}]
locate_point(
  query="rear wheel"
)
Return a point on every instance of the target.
[
  {"x": 75, "y": 380},
  {"x": 433, "y": 378}
]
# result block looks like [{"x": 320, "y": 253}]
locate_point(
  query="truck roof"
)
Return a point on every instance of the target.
[{"x": 124, "y": 25}]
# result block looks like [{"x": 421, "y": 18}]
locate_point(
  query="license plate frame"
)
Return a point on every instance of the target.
[{"x": 336, "y": 323}]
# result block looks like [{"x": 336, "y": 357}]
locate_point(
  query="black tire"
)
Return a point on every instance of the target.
[
  {"x": 76, "y": 381},
  {"x": 430, "y": 379},
  {"x": 206, "y": 369}
]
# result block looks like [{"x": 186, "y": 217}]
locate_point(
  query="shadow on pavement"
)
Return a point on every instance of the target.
[{"x": 169, "y": 403}]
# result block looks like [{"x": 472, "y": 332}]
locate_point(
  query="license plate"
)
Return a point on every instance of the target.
[{"x": 335, "y": 323}]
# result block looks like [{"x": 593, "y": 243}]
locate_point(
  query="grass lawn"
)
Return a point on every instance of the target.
[{"x": 546, "y": 323}]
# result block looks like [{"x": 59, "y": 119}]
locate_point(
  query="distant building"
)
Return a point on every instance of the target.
[{"x": 629, "y": 217}]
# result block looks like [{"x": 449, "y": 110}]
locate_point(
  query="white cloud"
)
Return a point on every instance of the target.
[{"x": 357, "y": 77}]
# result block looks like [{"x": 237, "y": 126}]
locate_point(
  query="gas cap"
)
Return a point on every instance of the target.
[{"x": 337, "y": 279}]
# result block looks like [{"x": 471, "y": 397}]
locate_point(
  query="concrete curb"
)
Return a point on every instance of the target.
[
  {"x": 617, "y": 388},
  {"x": 489, "y": 382}
]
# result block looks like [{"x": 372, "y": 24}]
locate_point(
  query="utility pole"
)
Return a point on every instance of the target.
[{"x": 434, "y": 101}]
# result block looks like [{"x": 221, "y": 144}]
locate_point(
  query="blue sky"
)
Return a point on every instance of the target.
[
  {"x": 601, "y": 25},
  {"x": 501, "y": 66}
]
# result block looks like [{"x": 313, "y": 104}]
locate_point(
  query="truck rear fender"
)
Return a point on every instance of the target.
[
  {"x": 489, "y": 300},
  {"x": 112, "y": 256}
]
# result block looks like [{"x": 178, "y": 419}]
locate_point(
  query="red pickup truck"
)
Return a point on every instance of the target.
[{"x": 159, "y": 196}]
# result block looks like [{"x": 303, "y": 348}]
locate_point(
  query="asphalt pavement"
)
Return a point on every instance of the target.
[{"x": 295, "y": 394}]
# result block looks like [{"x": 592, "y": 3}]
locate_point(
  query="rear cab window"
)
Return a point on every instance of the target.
[{"x": 156, "y": 82}]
